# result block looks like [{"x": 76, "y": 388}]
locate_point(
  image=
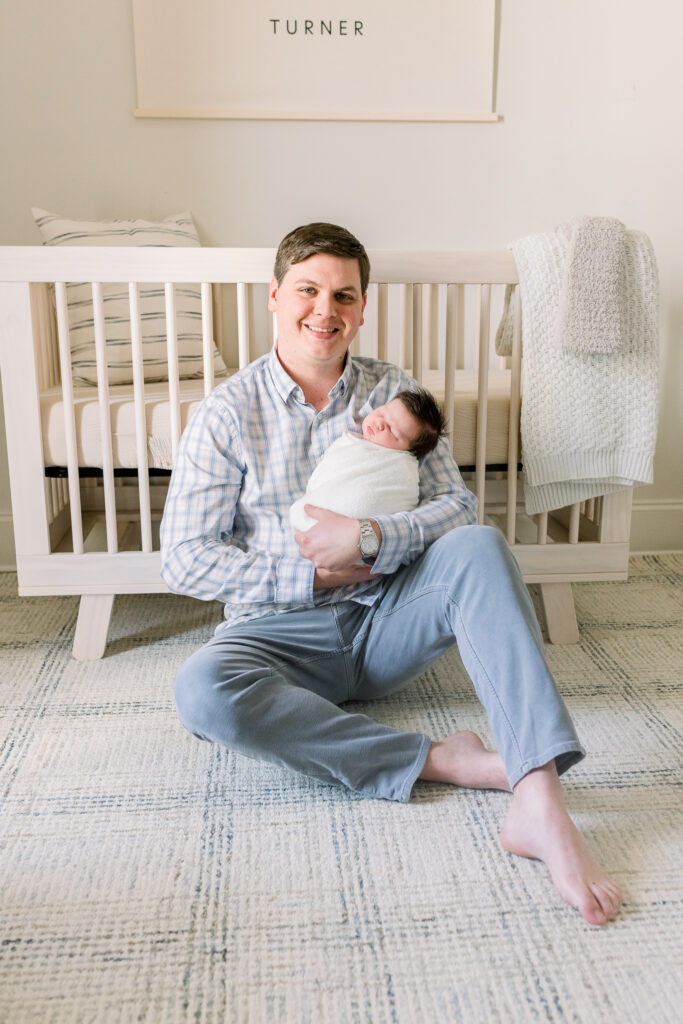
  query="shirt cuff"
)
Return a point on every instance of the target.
[
  {"x": 393, "y": 552},
  {"x": 294, "y": 580}
]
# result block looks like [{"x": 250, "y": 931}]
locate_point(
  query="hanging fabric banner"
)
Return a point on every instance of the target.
[{"x": 316, "y": 59}]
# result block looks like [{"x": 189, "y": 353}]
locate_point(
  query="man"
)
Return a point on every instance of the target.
[{"x": 356, "y": 609}]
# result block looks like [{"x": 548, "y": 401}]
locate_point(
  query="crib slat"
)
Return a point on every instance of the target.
[
  {"x": 48, "y": 334},
  {"x": 574, "y": 520},
  {"x": 432, "y": 325},
  {"x": 105, "y": 419},
  {"x": 542, "y": 528},
  {"x": 460, "y": 329},
  {"x": 45, "y": 366},
  {"x": 57, "y": 496},
  {"x": 243, "y": 323},
  {"x": 382, "y": 320},
  {"x": 405, "y": 325},
  {"x": 140, "y": 417},
  {"x": 50, "y": 500},
  {"x": 453, "y": 296},
  {"x": 172, "y": 354},
  {"x": 482, "y": 396},
  {"x": 217, "y": 315},
  {"x": 513, "y": 421},
  {"x": 599, "y": 510},
  {"x": 207, "y": 337},
  {"x": 69, "y": 419},
  {"x": 416, "y": 332}
]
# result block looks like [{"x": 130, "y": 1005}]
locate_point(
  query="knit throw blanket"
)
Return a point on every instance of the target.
[
  {"x": 358, "y": 478},
  {"x": 589, "y": 418}
]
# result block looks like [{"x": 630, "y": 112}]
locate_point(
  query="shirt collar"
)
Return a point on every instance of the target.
[
  {"x": 284, "y": 384},
  {"x": 287, "y": 387}
]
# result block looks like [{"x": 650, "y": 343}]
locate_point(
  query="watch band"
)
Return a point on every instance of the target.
[{"x": 369, "y": 544}]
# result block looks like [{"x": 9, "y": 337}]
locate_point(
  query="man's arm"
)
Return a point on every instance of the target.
[
  {"x": 198, "y": 554},
  {"x": 445, "y": 503}
]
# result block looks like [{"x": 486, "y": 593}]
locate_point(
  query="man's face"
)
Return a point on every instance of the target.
[
  {"x": 391, "y": 426},
  {"x": 319, "y": 309}
]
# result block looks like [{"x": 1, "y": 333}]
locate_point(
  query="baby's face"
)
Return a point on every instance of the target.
[{"x": 391, "y": 426}]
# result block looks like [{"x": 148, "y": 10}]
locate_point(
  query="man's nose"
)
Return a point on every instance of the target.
[{"x": 324, "y": 305}]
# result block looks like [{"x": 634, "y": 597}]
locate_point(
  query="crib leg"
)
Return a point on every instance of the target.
[
  {"x": 560, "y": 614},
  {"x": 92, "y": 626}
]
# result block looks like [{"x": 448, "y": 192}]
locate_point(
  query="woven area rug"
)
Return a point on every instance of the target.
[{"x": 146, "y": 876}]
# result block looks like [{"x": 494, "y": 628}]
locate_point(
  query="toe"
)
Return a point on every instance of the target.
[
  {"x": 593, "y": 911},
  {"x": 608, "y": 899}
]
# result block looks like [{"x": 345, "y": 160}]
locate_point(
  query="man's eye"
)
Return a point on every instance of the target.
[{"x": 343, "y": 297}]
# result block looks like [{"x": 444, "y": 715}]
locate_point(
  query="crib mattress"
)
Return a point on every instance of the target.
[
  {"x": 158, "y": 420},
  {"x": 463, "y": 415}
]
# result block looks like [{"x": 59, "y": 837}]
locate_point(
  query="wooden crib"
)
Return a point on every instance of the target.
[{"x": 87, "y": 478}]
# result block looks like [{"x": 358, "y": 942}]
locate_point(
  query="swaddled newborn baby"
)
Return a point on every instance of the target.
[{"x": 376, "y": 472}]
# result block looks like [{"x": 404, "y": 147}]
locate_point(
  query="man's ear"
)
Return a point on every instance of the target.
[
  {"x": 272, "y": 295},
  {"x": 362, "y": 309}
]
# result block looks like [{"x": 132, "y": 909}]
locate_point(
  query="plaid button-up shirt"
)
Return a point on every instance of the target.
[{"x": 246, "y": 455}]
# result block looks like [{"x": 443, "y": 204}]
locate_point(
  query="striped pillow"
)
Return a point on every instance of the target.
[{"x": 177, "y": 230}]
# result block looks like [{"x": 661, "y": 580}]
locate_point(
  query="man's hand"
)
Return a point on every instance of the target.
[{"x": 333, "y": 544}]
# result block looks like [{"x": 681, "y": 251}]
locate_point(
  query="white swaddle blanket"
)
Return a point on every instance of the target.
[{"x": 360, "y": 479}]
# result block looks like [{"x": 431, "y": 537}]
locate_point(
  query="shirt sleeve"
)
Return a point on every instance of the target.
[
  {"x": 445, "y": 502},
  {"x": 198, "y": 554}
]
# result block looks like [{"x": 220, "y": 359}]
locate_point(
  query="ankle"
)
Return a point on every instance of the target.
[
  {"x": 435, "y": 768},
  {"x": 540, "y": 782}
]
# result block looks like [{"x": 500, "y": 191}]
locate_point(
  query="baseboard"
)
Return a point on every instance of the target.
[{"x": 655, "y": 526}]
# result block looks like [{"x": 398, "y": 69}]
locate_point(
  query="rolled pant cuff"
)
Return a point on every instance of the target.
[
  {"x": 414, "y": 773},
  {"x": 564, "y": 754}
]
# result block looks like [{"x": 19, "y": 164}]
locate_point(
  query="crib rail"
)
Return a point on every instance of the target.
[{"x": 434, "y": 313}]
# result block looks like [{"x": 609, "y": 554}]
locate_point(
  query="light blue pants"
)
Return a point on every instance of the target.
[{"x": 271, "y": 688}]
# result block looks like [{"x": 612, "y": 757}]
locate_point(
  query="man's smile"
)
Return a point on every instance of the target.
[{"x": 322, "y": 331}]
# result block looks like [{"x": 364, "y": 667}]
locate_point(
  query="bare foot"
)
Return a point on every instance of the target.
[
  {"x": 538, "y": 826},
  {"x": 463, "y": 760}
]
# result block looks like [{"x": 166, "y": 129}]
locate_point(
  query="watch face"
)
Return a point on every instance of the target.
[{"x": 369, "y": 545}]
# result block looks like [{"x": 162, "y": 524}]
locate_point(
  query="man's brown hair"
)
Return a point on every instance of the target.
[{"x": 319, "y": 237}]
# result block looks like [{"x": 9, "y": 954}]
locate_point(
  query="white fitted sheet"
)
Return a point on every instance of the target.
[{"x": 158, "y": 420}]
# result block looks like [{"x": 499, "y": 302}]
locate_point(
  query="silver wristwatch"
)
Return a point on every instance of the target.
[{"x": 369, "y": 545}]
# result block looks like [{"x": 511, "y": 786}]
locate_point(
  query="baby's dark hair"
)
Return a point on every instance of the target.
[{"x": 422, "y": 405}]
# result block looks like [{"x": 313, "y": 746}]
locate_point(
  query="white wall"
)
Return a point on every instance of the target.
[{"x": 590, "y": 97}]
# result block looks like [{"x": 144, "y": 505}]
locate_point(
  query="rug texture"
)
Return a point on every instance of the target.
[{"x": 147, "y": 876}]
